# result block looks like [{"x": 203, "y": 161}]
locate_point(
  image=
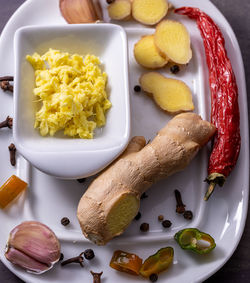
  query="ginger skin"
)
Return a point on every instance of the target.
[{"x": 113, "y": 198}]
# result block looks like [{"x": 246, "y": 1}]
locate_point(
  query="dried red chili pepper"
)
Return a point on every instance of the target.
[{"x": 224, "y": 100}]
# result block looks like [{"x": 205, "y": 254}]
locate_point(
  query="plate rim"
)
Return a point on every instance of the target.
[{"x": 246, "y": 127}]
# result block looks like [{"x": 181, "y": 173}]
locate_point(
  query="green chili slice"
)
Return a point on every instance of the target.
[
  {"x": 158, "y": 262},
  {"x": 195, "y": 240}
]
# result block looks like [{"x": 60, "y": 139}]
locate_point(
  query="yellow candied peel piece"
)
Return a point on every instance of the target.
[
  {"x": 11, "y": 189},
  {"x": 72, "y": 93}
]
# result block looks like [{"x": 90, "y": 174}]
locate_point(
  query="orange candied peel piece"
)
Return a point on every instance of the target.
[
  {"x": 126, "y": 262},
  {"x": 10, "y": 190}
]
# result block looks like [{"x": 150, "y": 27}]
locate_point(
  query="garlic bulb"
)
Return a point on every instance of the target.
[
  {"x": 81, "y": 11},
  {"x": 33, "y": 246}
]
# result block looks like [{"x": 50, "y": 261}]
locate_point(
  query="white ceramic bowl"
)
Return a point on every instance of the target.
[{"x": 61, "y": 156}]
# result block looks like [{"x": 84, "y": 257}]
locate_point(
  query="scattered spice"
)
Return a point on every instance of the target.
[
  {"x": 138, "y": 216},
  {"x": 8, "y": 122},
  {"x": 144, "y": 227},
  {"x": 137, "y": 88},
  {"x": 180, "y": 206},
  {"x": 110, "y": 1},
  {"x": 188, "y": 214},
  {"x": 82, "y": 180},
  {"x": 175, "y": 69},
  {"x": 12, "y": 150},
  {"x": 5, "y": 85},
  {"x": 153, "y": 277},
  {"x": 65, "y": 221},
  {"x": 78, "y": 259},
  {"x": 7, "y": 78},
  {"x": 61, "y": 257},
  {"x": 144, "y": 195},
  {"x": 89, "y": 254},
  {"x": 160, "y": 217},
  {"x": 96, "y": 276},
  {"x": 166, "y": 223}
]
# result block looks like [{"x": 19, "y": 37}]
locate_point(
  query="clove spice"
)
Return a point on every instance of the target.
[
  {"x": 7, "y": 78},
  {"x": 8, "y": 122},
  {"x": 12, "y": 150},
  {"x": 78, "y": 259},
  {"x": 180, "y": 206},
  {"x": 5, "y": 83},
  {"x": 96, "y": 276}
]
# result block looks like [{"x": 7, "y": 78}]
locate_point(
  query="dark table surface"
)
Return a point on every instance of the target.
[{"x": 237, "y": 269}]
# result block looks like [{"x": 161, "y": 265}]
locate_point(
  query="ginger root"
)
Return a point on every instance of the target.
[
  {"x": 147, "y": 55},
  {"x": 173, "y": 41},
  {"x": 112, "y": 200},
  {"x": 170, "y": 94},
  {"x": 120, "y": 10},
  {"x": 149, "y": 12}
]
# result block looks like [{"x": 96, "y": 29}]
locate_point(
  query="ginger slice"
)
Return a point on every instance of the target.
[
  {"x": 120, "y": 10},
  {"x": 146, "y": 53},
  {"x": 170, "y": 94},
  {"x": 173, "y": 41},
  {"x": 149, "y": 12}
]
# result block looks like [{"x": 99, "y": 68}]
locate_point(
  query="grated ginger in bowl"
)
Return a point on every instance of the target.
[{"x": 72, "y": 90}]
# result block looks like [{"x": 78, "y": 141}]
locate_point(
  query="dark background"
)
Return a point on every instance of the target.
[{"x": 237, "y": 269}]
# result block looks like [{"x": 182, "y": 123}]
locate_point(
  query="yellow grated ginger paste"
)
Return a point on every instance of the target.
[{"x": 72, "y": 90}]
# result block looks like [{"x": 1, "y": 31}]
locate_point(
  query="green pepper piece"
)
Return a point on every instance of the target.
[
  {"x": 158, "y": 262},
  {"x": 190, "y": 239}
]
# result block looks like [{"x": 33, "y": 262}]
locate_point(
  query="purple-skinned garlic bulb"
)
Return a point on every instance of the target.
[{"x": 33, "y": 246}]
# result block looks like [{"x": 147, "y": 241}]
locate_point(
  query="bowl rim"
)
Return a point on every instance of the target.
[{"x": 105, "y": 155}]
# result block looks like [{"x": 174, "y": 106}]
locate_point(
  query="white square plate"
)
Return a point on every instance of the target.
[{"x": 49, "y": 199}]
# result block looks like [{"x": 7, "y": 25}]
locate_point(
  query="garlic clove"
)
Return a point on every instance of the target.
[
  {"x": 33, "y": 246},
  {"x": 21, "y": 259},
  {"x": 81, "y": 11}
]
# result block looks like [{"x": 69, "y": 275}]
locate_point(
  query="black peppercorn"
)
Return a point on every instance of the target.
[
  {"x": 144, "y": 195},
  {"x": 137, "y": 88},
  {"x": 166, "y": 223},
  {"x": 175, "y": 69},
  {"x": 81, "y": 180},
  {"x": 110, "y": 1},
  {"x": 188, "y": 214},
  {"x": 138, "y": 216},
  {"x": 89, "y": 254},
  {"x": 61, "y": 257},
  {"x": 144, "y": 227},
  {"x": 153, "y": 277},
  {"x": 65, "y": 221},
  {"x": 160, "y": 217}
]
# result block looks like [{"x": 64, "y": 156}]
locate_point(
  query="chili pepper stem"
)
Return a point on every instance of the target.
[{"x": 209, "y": 190}]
